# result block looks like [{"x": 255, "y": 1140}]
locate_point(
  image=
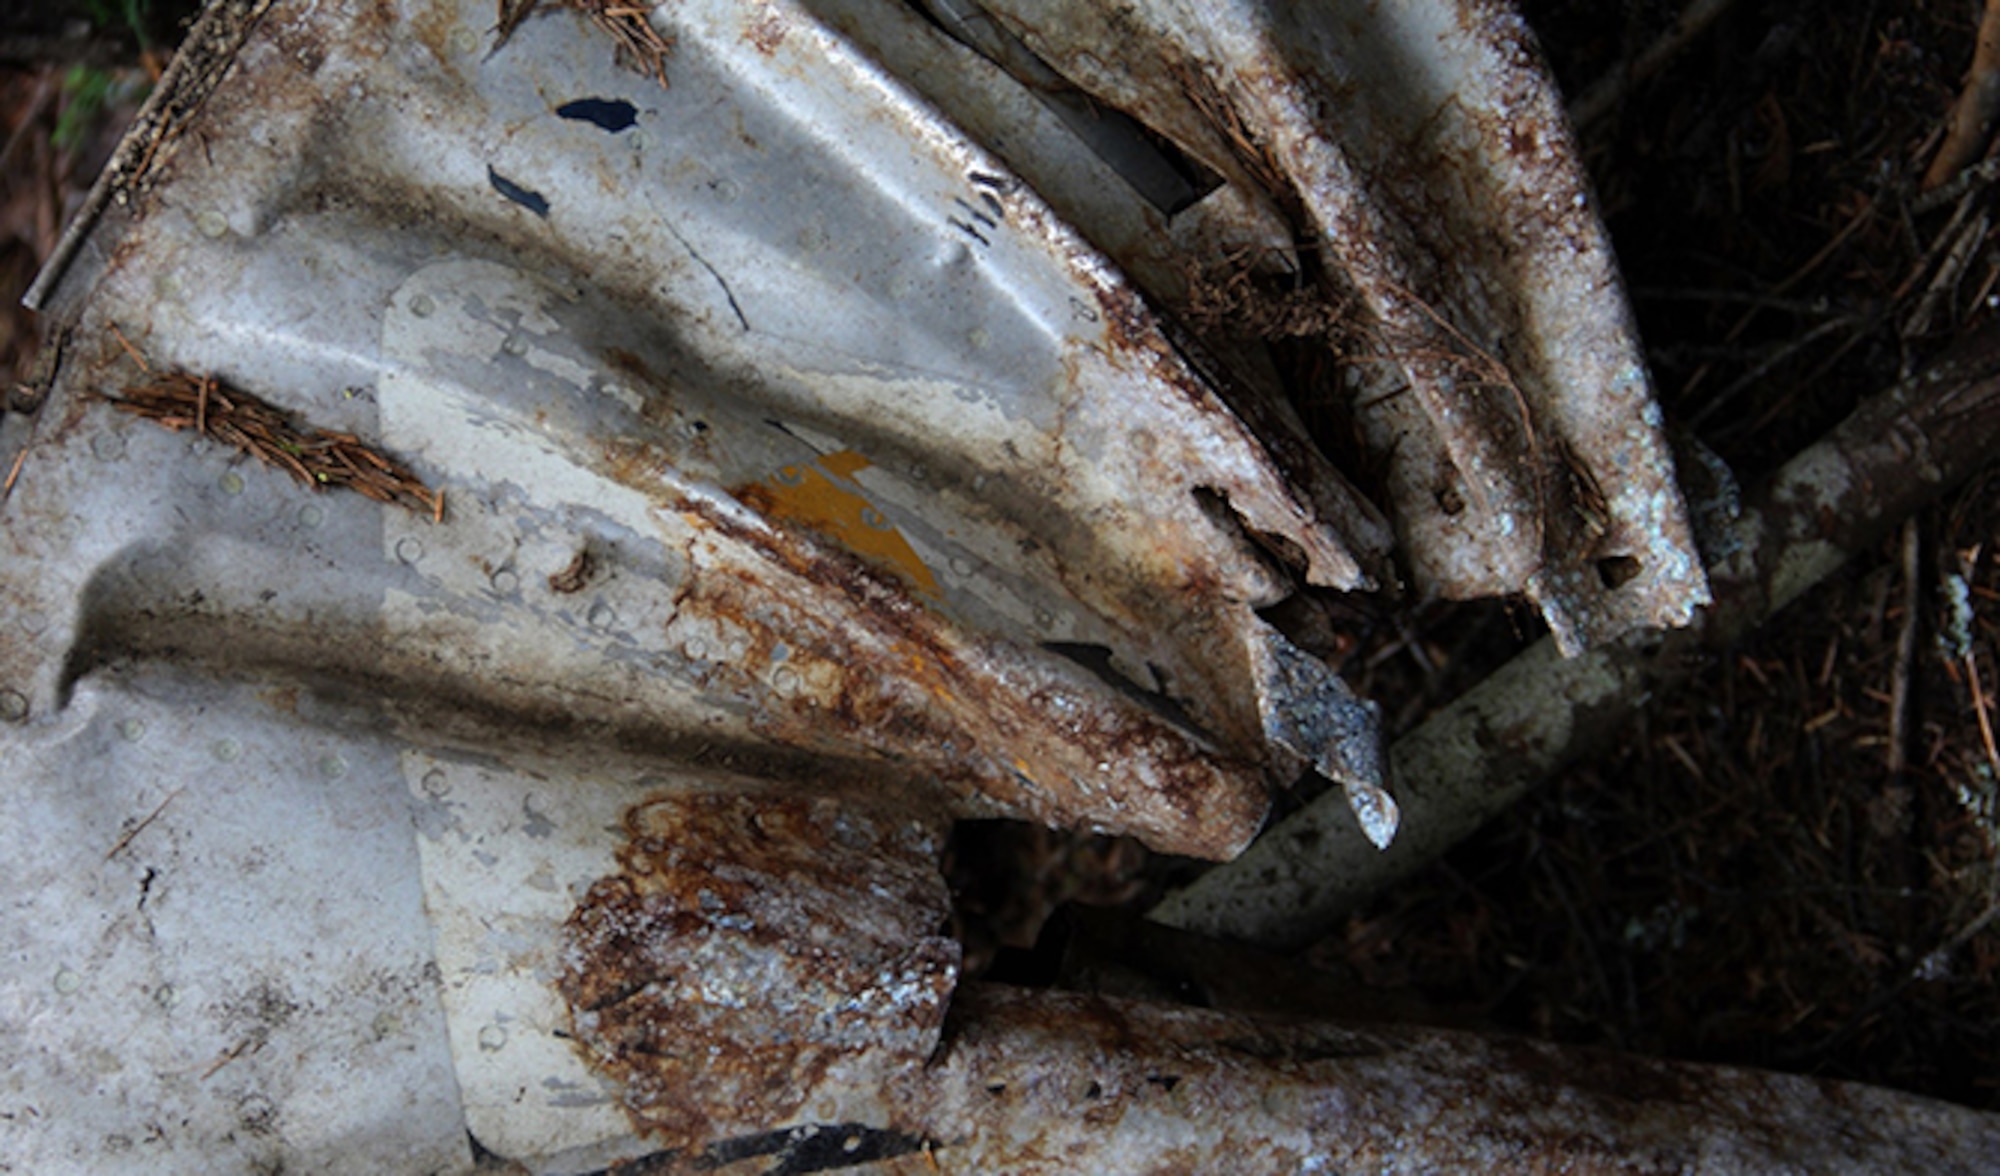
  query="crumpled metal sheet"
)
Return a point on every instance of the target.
[
  {"x": 1427, "y": 155},
  {"x": 813, "y": 467},
  {"x": 262, "y": 929},
  {"x": 877, "y": 463}
]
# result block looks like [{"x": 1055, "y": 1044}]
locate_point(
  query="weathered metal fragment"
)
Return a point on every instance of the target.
[
  {"x": 1046, "y": 1082},
  {"x": 800, "y": 459},
  {"x": 1471, "y": 760},
  {"x": 952, "y": 511},
  {"x": 1426, "y": 155}
]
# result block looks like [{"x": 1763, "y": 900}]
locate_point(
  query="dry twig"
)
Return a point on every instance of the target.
[
  {"x": 1253, "y": 154},
  {"x": 1608, "y": 91},
  {"x": 1906, "y": 648},
  {"x": 139, "y": 828},
  {"x": 1972, "y": 118}
]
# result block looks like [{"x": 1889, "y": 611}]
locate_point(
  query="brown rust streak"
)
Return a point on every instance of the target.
[
  {"x": 767, "y": 33},
  {"x": 572, "y": 578},
  {"x": 744, "y": 946},
  {"x": 977, "y": 714}
]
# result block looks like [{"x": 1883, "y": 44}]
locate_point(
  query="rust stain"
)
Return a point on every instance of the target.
[
  {"x": 822, "y": 496},
  {"x": 866, "y": 668},
  {"x": 744, "y": 946},
  {"x": 574, "y": 575},
  {"x": 767, "y": 33}
]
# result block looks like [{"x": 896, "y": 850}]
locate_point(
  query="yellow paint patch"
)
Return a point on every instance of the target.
[{"x": 822, "y": 496}]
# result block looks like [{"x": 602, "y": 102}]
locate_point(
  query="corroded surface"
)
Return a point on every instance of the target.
[
  {"x": 820, "y": 516},
  {"x": 1502, "y": 383},
  {"x": 805, "y": 476},
  {"x": 1046, "y": 1082},
  {"x": 747, "y": 947}
]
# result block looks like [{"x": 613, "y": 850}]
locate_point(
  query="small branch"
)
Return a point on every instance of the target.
[
  {"x": 1979, "y": 706},
  {"x": 1607, "y": 92},
  {"x": 1971, "y": 121},
  {"x": 1945, "y": 284},
  {"x": 1540, "y": 712},
  {"x": 1931, "y": 960},
  {"x": 229, "y": 1055},
  {"x": 1906, "y": 648},
  {"x": 1973, "y": 179},
  {"x": 316, "y": 458}
]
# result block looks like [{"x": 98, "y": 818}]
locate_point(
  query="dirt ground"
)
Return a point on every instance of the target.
[{"x": 1771, "y": 870}]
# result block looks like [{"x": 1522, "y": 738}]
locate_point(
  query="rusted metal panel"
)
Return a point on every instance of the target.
[
  {"x": 1033, "y": 1081},
  {"x": 1426, "y": 153},
  {"x": 798, "y": 460},
  {"x": 703, "y": 346}
]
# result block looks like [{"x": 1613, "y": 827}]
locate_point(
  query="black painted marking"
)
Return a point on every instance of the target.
[
  {"x": 816, "y": 1147},
  {"x": 977, "y": 215},
  {"x": 968, "y": 230},
  {"x": 607, "y": 114},
  {"x": 527, "y": 198}
]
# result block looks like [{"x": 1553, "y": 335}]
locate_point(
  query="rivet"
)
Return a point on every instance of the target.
[
  {"x": 601, "y": 616},
  {"x": 514, "y": 345},
  {"x": 132, "y": 730},
  {"x": 436, "y": 783},
  {"x": 332, "y": 766},
  {"x": 409, "y": 549},
  {"x": 464, "y": 41},
  {"x": 492, "y": 1038},
  {"x": 211, "y": 223},
  {"x": 311, "y": 515},
  {"x": 108, "y": 446},
  {"x": 422, "y": 306},
  {"x": 67, "y": 982},
  {"x": 13, "y": 706},
  {"x": 505, "y": 582},
  {"x": 231, "y": 483},
  {"x": 227, "y": 750}
]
